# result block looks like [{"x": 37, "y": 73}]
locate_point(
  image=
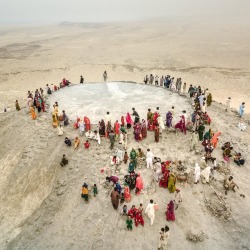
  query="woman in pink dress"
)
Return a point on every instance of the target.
[
  {"x": 139, "y": 184},
  {"x": 181, "y": 125},
  {"x": 129, "y": 120},
  {"x": 144, "y": 129}
]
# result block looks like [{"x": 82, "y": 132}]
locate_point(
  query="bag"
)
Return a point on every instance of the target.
[{"x": 156, "y": 206}]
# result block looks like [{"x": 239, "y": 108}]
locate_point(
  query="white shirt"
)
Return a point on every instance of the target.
[{"x": 150, "y": 155}]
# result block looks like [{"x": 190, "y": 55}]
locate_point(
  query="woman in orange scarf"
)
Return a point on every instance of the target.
[{"x": 215, "y": 139}]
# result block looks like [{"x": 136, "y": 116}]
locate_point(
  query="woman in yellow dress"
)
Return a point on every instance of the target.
[
  {"x": 55, "y": 117},
  {"x": 171, "y": 183},
  {"x": 33, "y": 112}
]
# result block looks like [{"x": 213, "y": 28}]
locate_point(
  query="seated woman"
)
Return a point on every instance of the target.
[
  {"x": 242, "y": 125},
  {"x": 86, "y": 144},
  {"x": 77, "y": 142},
  {"x": 89, "y": 134},
  {"x": 227, "y": 154},
  {"x": 64, "y": 161},
  {"x": 67, "y": 141},
  {"x": 238, "y": 159},
  {"x": 227, "y": 145}
]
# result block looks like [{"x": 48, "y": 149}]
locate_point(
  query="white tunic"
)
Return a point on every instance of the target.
[{"x": 197, "y": 172}]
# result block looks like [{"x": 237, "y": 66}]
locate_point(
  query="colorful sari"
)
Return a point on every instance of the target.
[
  {"x": 129, "y": 120},
  {"x": 181, "y": 125},
  {"x": 169, "y": 118},
  {"x": 144, "y": 129},
  {"x": 170, "y": 211}
]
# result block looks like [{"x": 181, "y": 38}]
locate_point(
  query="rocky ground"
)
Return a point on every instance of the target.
[{"x": 41, "y": 207}]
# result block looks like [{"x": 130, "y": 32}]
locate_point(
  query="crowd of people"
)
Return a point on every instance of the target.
[{"x": 163, "y": 171}]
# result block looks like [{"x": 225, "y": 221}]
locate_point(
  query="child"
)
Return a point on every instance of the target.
[
  {"x": 122, "y": 198},
  {"x": 125, "y": 159},
  {"x": 129, "y": 223},
  {"x": 85, "y": 192},
  {"x": 140, "y": 208},
  {"x": 86, "y": 144},
  {"x": 17, "y": 106},
  {"x": 95, "y": 190},
  {"x": 124, "y": 210}
]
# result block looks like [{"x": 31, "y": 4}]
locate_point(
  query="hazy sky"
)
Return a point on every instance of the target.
[{"x": 54, "y": 11}]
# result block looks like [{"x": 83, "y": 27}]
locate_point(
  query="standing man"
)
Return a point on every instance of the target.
[
  {"x": 105, "y": 76},
  {"x": 150, "y": 211},
  {"x": 228, "y": 103},
  {"x": 115, "y": 198},
  {"x": 177, "y": 198},
  {"x": 136, "y": 115},
  {"x": 197, "y": 173},
  {"x": 112, "y": 139},
  {"x": 194, "y": 140},
  {"x": 242, "y": 107},
  {"x": 81, "y": 79},
  {"x": 149, "y": 159}
]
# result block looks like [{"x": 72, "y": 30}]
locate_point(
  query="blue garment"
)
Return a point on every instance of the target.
[
  {"x": 118, "y": 187},
  {"x": 241, "y": 111}
]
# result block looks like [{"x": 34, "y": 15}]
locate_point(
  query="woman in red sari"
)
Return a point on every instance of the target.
[
  {"x": 137, "y": 132},
  {"x": 122, "y": 121},
  {"x": 87, "y": 123},
  {"x": 170, "y": 211},
  {"x": 164, "y": 180},
  {"x": 144, "y": 129},
  {"x": 157, "y": 133},
  {"x": 181, "y": 125}
]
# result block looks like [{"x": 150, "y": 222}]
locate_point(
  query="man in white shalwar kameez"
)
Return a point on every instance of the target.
[
  {"x": 149, "y": 159},
  {"x": 242, "y": 126},
  {"x": 150, "y": 211},
  {"x": 177, "y": 198},
  {"x": 197, "y": 173},
  {"x": 157, "y": 168},
  {"x": 194, "y": 140}
]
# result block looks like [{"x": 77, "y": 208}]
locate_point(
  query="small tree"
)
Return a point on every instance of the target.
[{"x": 209, "y": 99}]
